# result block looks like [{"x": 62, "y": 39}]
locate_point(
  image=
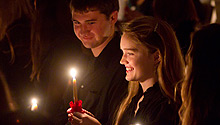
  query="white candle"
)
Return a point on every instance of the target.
[{"x": 73, "y": 74}]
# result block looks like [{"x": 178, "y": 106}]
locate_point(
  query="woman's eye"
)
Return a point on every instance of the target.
[{"x": 130, "y": 54}]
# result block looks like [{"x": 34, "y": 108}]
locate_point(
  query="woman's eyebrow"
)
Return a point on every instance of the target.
[{"x": 131, "y": 49}]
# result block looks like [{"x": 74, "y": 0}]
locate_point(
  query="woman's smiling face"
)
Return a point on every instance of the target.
[{"x": 138, "y": 61}]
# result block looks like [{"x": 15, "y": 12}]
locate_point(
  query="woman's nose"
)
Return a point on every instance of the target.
[{"x": 123, "y": 60}]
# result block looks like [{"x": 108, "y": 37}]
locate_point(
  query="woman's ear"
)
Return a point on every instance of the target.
[
  {"x": 157, "y": 57},
  {"x": 114, "y": 17}
]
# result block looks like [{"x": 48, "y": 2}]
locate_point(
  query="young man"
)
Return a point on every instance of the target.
[{"x": 101, "y": 79}]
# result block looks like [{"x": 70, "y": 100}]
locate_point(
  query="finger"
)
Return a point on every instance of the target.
[
  {"x": 75, "y": 120},
  {"x": 69, "y": 110},
  {"x": 87, "y": 112},
  {"x": 70, "y": 115},
  {"x": 78, "y": 115}
]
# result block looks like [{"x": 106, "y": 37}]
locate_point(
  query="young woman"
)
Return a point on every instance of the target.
[
  {"x": 154, "y": 67},
  {"x": 200, "y": 89}
]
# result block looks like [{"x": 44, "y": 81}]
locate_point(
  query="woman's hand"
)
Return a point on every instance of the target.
[{"x": 86, "y": 118}]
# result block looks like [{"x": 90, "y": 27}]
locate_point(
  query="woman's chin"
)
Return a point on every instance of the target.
[{"x": 128, "y": 78}]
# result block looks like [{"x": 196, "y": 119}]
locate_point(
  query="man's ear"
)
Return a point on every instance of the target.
[
  {"x": 114, "y": 17},
  {"x": 157, "y": 57}
]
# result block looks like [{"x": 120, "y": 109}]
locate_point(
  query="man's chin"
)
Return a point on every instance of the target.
[{"x": 87, "y": 47}]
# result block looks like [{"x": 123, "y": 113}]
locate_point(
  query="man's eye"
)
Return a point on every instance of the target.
[
  {"x": 91, "y": 22},
  {"x": 75, "y": 23}
]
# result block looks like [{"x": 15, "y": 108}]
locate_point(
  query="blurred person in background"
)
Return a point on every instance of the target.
[
  {"x": 180, "y": 14},
  {"x": 200, "y": 89},
  {"x": 15, "y": 66},
  {"x": 15, "y": 56}
]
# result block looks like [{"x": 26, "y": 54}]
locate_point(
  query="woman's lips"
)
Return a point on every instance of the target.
[{"x": 129, "y": 69}]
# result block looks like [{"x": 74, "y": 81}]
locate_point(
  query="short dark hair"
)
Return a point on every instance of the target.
[{"x": 104, "y": 6}]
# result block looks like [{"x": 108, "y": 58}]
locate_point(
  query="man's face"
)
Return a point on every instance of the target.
[{"x": 92, "y": 28}]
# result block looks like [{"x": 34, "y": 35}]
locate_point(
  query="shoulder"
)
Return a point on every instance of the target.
[
  {"x": 166, "y": 112},
  {"x": 161, "y": 109}
]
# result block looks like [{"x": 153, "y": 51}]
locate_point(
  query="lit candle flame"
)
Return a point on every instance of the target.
[{"x": 73, "y": 73}]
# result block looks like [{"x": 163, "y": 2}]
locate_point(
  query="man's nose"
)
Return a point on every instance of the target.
[{"x": 84, "y": 28}]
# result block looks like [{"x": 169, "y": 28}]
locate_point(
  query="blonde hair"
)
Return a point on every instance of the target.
[
  {"x": 133, "y": 87},
  {"x": 156, "y": 35}
]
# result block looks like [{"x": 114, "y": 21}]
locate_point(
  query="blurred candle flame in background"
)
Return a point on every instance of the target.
[{"x": 34, "y": 105}]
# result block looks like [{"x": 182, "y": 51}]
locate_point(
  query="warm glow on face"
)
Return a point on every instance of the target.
[{"x": 73, "y": 73}]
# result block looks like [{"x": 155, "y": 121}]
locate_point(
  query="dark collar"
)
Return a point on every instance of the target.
[
  {"x": 110, "y": 52},
  {"x": 155, "y": 87}
]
